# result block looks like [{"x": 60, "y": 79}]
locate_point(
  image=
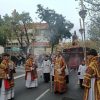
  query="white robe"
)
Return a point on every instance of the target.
[
  {"x": 6, "y": 94},
  {"x": 29, "y": 82},
  {"x": 46, "y": 66},
  {"x": 82, "y": 70}
]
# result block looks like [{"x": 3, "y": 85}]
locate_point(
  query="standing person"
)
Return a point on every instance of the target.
[
  {"x": 91, "y": 80},
  {"x": 81, "y": 73},
  {"x": 46, "y": 65},
  {"x": 31, "y": 72},
  {"x": 59, "y": 74},
  {"x": 7, "y": 69}
]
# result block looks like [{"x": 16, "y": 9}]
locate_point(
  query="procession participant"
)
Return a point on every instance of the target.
[
  {"x": 7, "y": 69},
  {"x": 31, "y": 72},
  {"x": 91, "y": 80},
  {"x": 59, "y": 74},
  {"x": 81, "y": 73},
  {"x": 46, "y": 66}
]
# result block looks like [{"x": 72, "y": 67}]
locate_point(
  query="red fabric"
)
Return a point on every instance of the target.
[
  {"x": 33, "y": 75},
  {"x": 8, "y": 84}
]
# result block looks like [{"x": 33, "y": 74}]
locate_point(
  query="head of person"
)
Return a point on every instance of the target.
[
  {"x": 46, "y": 57},
  {"x": 6, "y": 56},
  {"x": 83, "y": 62},
  {"x": 92, "y": 53}
]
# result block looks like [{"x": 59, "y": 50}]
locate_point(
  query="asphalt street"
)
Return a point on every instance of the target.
[{"x": 43, "y": 91}]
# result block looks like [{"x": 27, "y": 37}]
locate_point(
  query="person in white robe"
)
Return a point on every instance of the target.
[
  {"x": 46, "y": 67},
  {"x": 81, "y": 73}
]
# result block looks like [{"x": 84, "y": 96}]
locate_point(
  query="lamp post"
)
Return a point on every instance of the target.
[{"x": 82, "y": 14}]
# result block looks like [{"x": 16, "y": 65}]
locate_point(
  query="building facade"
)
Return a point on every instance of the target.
[{"x": 38, "y": 34}]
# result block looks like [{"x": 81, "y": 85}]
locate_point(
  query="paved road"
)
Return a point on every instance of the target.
[
  {"x": 43, "y": 91},
  {"x": 19, "y": 71}
]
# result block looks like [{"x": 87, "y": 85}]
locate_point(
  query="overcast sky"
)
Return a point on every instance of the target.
[{"x": 65, "y": 7}]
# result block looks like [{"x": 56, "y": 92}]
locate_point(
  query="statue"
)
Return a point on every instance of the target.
[{"x": 74, "y": 39}]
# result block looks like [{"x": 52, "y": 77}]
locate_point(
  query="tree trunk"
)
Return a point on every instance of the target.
[
  {"x": 52, "y": 47},
  {"x": 26, "y": 34}
]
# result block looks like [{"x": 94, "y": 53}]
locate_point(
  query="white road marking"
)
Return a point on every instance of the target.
[
  {"x": 22, "y": 75},
  {"x": 38, "y": 98},
  {"x": 71, "y": 70},
  {"x": 16, "y": 77}
]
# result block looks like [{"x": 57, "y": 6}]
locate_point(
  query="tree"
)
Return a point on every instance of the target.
[
  {"x": 3, "y": 40},
  {"x": 20, "y": 23},
  {"x": 94, "y": 15},
  {"x": 93, "y": 5},
  {"x": 54, "y": 39},
  {"x": 58, "y": 26},
  {"x": 15, "y": 27},
  {"x": 5, "y": 30},
  {"x": 94, "y": 31}
]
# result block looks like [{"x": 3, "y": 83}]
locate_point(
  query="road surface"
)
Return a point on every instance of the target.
[{"x": 43, "y": 91}]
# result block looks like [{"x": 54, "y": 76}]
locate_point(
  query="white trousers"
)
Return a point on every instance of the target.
[
  {"x": 29, "y": 82},
  {"x": 6, "y": 94}
]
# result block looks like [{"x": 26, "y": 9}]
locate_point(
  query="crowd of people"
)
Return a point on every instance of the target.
[{"x": 88, "y": 74}]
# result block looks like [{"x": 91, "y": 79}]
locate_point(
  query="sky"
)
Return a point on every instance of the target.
[{"x": 67, "y": 8}]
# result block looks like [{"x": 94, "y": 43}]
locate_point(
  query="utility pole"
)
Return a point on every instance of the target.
[{"x": 82, "y": 14}]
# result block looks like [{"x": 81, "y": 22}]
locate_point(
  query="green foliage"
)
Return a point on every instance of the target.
[
  {"x": 93, "y": 5},
  {"x": 94, "y": 31},
  {"x": 57, "y": 23},
  {"x": 25, "y": 17},
  {"x": 3, "y": 39},
  {"x": 5, "y": 29},
  {"x": 14, "y": 27},
  {"x": 1, "y": 21}
]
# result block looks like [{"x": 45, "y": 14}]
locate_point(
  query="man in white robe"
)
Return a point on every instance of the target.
[
  {"x": 46, "y": 66},
  {"x": 81, "y": 73}
]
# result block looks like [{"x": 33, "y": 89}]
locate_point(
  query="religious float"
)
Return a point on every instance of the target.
[{"x": 73, "y": 52}]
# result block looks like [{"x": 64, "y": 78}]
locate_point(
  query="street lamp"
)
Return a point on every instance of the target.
[
  {"x": 81, "y": 31},
  {"x": 82, "y": 14}
]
